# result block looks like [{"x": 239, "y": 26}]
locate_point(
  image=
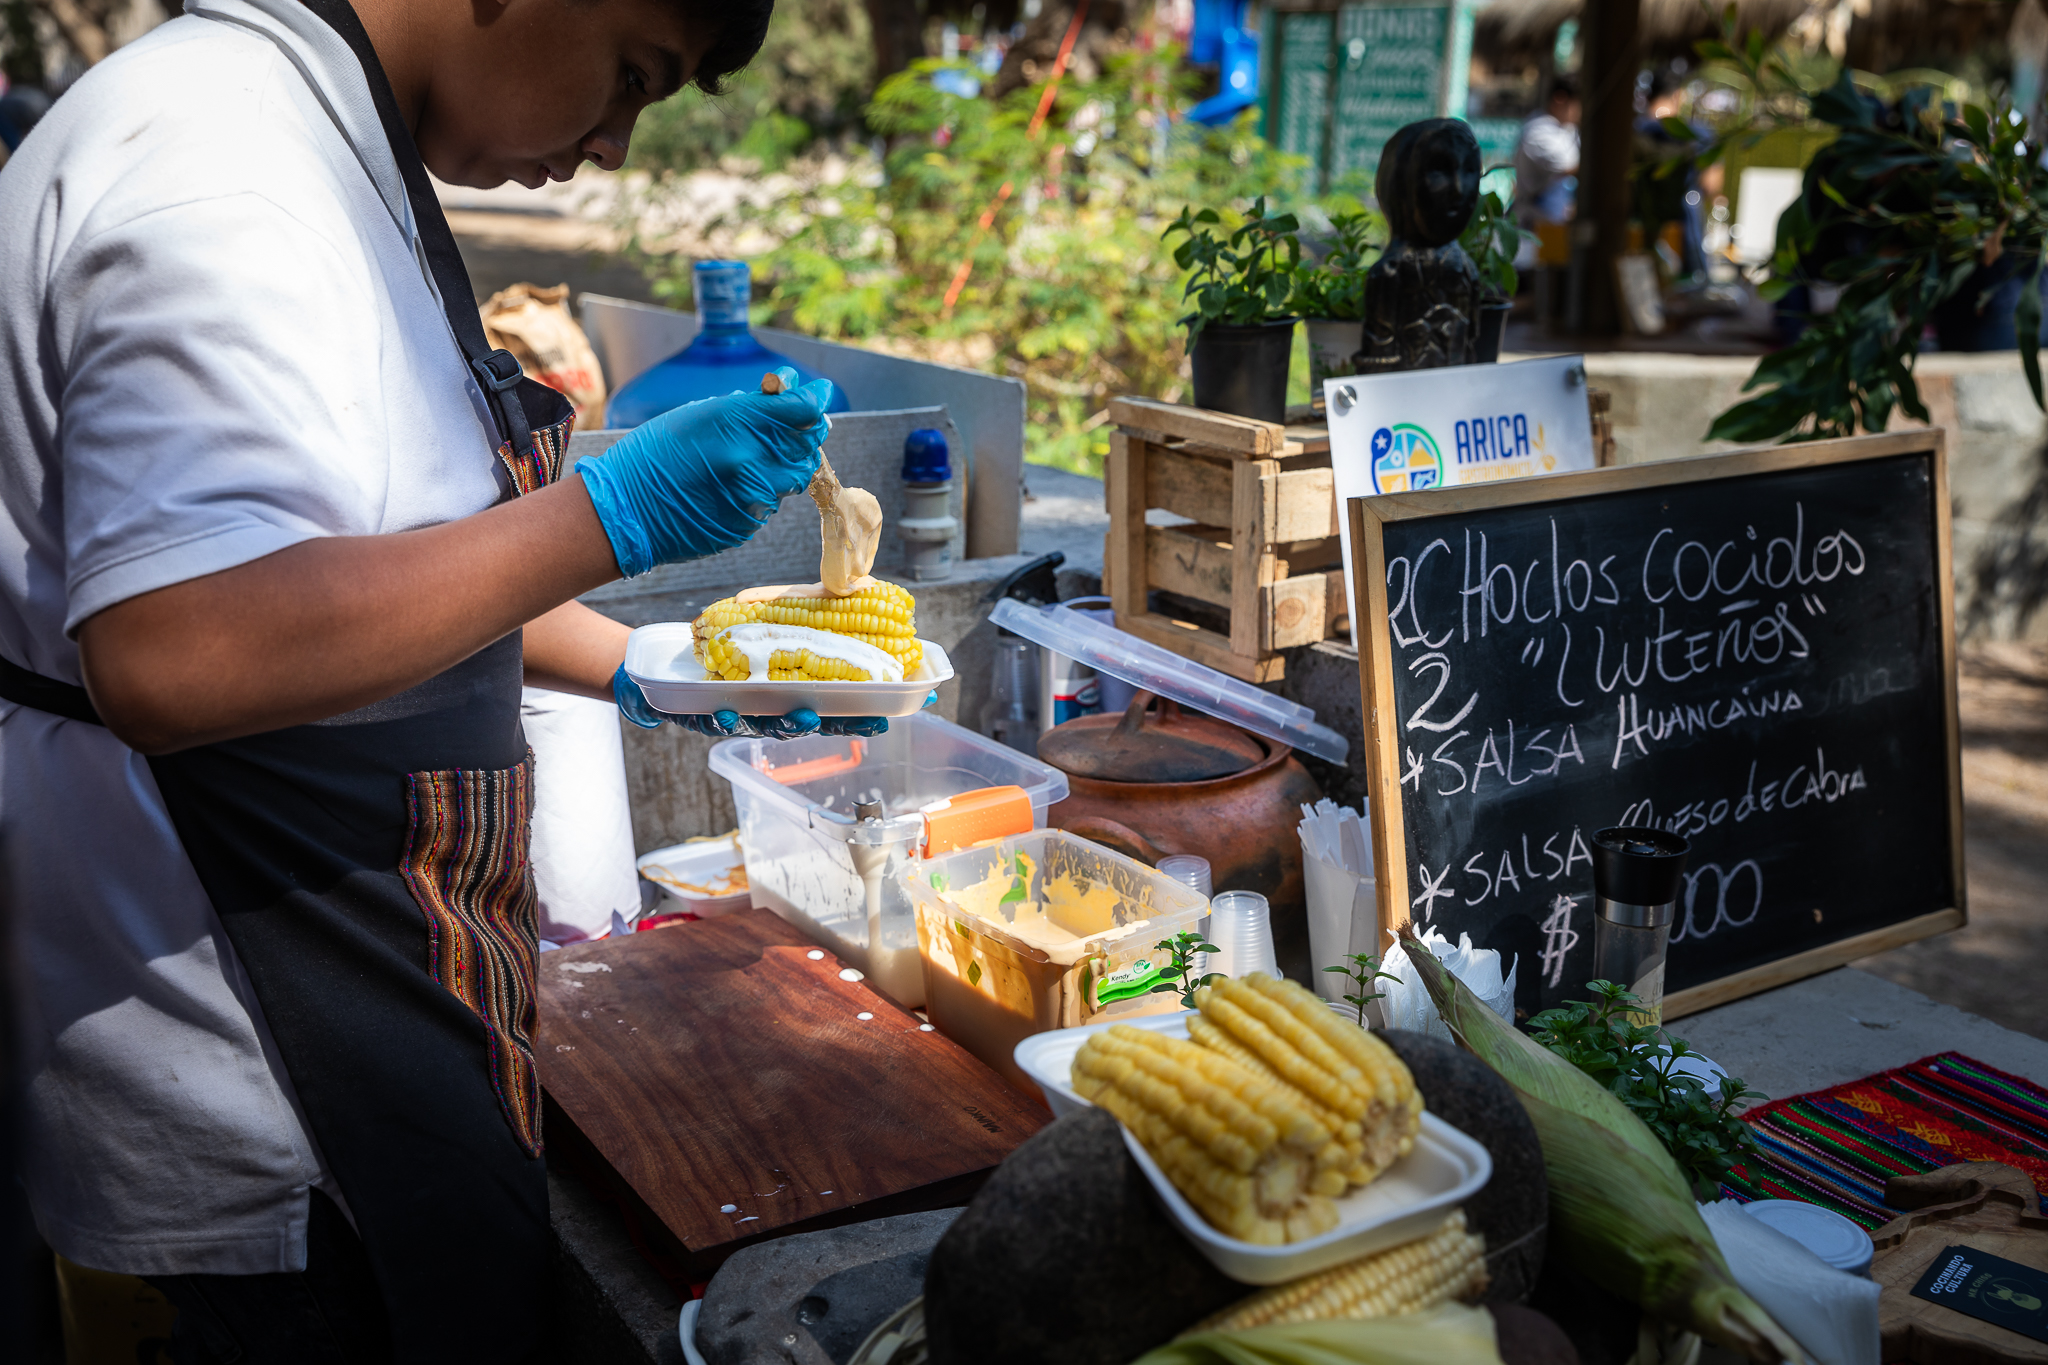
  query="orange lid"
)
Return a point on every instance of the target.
[{"x": 975, "y": 817}]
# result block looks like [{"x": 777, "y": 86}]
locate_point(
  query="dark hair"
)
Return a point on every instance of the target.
[
  {"x": 1663, "y": 81},
  {"x": 742, "y": 25},
  {"x": 1564, "y": 88}
]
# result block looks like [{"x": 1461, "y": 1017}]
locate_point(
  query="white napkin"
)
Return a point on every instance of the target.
[
  {"x": 1343, "y": 899},
  {"x": 1830, "y": 1312},
  {"x": 1407, "y": 1004}
]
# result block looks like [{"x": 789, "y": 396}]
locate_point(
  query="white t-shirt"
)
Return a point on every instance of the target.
[{"x": 217, "y": 339}]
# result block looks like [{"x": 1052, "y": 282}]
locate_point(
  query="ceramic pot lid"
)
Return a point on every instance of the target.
[{"x": 1153, "y": 741}]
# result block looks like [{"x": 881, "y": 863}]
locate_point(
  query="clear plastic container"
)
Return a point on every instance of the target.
[
  {"x": 1042, "y": 931},
  {"x": 724, "y": 356},
  {"x": 1107, "y": 650},
  {"x": 813, "y": 860}
]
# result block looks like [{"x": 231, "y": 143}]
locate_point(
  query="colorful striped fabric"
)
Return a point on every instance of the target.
[
  {"x": 467, "y": 864},
  {"x": 1836, "y": 1148}
]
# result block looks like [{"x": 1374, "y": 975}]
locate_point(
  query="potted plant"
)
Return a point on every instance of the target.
[
  {"x": 1491, "y": 239},
  {"x": 1919, "y": 211},
  {"x": 1240, "y": 333},
  {"x": 1329, "y": 294}
]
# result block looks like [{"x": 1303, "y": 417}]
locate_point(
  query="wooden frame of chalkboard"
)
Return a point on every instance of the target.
[{"x": 1897, "y": 847}]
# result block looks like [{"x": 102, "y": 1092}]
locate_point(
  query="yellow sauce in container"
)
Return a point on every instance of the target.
[{"x": 1041, "y": 931}]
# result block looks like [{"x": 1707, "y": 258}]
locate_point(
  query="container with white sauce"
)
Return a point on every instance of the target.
[{"x": 811, "y": 857}]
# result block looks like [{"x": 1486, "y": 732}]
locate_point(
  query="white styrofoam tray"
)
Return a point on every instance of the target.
[
  {"x": 706, "y": 862},
  {"x": 1408, "y": 1200},
  {"x": 660, "y": 659}
]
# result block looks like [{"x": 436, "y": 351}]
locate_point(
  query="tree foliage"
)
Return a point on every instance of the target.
[{"x": 1068, "y": 285}]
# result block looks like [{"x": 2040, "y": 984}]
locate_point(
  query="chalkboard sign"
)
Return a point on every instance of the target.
[{"x": 1756, "y": 650}]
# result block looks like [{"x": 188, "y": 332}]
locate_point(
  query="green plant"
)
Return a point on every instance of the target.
[
  {"x": 1334, "y": 287},
  {"x": 1636, "y": 1063},
  {"x": 1912, "y": 196},
  {"x": 807, "y": 83},
  {"x": 1180, "y": 953},
  {"x": 1361, "y": 971},
  {"x": 1237, "y": 276},
  {"x": 1491, "y": 240}
]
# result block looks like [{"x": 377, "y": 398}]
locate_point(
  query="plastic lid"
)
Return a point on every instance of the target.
[
  {"x": 1821, "y": 1231},
  {"x": 1106, "y": 649},
  {"x": 925, "y": 457}
]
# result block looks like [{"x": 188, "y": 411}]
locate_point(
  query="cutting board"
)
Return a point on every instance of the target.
[
  {"x": 733, "y": 1079},
  {"x": 1985, "y": 1205}
]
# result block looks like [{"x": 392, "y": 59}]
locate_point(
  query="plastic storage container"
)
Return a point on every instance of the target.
[
  {"x": 1042, "y": 931},
  {"x": 1117, "y": 654},
  {"x": 812, "y": 859}
]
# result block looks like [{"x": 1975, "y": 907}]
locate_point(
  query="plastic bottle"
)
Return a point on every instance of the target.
[
  {"x": 723, "y": 358},
  {"x": 927, "y": 524}
]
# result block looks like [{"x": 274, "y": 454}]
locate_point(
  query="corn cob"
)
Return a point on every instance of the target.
[
  {"x": 880, "y": 614},
  {"x": 1346, "y": 1071},
  {"x": 1448, "y": 1264},
  {"x": 1244, "y": 1151}
]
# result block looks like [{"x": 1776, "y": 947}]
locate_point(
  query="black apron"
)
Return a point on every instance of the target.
[{"x": 372, "y": 872}]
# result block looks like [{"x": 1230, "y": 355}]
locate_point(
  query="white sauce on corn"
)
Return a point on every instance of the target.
[{"x": 757, "y": 641}]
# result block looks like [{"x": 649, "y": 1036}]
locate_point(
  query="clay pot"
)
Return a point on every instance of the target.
[{"x": 1157, "y": 781}]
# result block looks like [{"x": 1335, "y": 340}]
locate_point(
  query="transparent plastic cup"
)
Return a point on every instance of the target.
[
  {"x": 1241, "y": 927},
  {"x": 1188, "y": 870}
]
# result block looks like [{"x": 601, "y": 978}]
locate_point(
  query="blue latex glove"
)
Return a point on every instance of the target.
[
  {"x": 633, "y": 705},
  {"x": 705, "y": 476}
]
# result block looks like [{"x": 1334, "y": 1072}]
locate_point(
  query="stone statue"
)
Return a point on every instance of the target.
[{"x": 1422, "y": 297}]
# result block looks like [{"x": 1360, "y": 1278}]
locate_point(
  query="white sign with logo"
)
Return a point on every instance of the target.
[{"x": 1401, "y": 433}]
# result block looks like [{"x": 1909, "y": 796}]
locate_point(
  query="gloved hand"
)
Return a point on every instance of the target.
[
  {"x": 705, "y": 476},
  {"x": 796, "y": 724}
]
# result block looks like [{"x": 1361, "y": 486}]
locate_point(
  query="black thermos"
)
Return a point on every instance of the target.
[{"x": 1636, "y": 875}]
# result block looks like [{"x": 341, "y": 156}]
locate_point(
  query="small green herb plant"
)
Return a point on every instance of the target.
[
  {"x": 1361, "y": 971},
  {"x": 1238, "y": 277},
  {"x": 1180, "y": 953},
  {"x": 1636, "y": 1063},
  {"x": 1334, "y": 287},
  {"x": 1491, "y": 240}
]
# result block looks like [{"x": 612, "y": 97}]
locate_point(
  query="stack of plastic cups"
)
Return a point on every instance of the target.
[
  {"x": 1191, "y": 872},
  {"x": 1241, "y": 927}
]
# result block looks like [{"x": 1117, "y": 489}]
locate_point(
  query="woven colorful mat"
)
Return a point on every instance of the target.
[{"x": 1837, "y": 1147}]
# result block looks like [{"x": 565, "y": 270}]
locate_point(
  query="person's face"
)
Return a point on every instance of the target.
[
  {"x": 1565, "y": 109},
  {"x": 543, "y": 85},
  {"x": 1449, "y": 188}
]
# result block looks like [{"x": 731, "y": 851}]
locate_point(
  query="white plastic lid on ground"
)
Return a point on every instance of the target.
[{"x": 1106, "y": 649}]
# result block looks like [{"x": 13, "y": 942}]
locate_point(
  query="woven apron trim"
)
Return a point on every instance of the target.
[
  {"x": 544, "y": 465},
  {"x": 466, "y": 862}
]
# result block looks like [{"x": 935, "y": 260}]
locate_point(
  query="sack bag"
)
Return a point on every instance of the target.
[{"x": 535, "y": 326}]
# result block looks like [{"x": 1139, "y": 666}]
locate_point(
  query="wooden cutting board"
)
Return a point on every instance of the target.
[{"x": 740, "y": 1087}]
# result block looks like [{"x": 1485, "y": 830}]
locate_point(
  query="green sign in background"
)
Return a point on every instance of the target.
[
  {"x": 1340, "y": 81},
  {"x": 1391, "y": 58}
]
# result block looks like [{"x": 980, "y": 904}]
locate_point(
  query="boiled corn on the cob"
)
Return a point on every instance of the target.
[
  {"x": 881, "y": 616},
  {"x": 1350, "y": 1075},
  {"x": 1244, "y": 1151},
  {"x": 1448, "y": 1264}
]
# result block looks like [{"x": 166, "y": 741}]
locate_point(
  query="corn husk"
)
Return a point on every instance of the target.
[
  {"x": 1621, "y": 1212},
  {"x": 1449, "y": 1334}
]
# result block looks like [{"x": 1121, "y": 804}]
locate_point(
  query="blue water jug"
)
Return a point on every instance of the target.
[{"x": 723, "y": 357}]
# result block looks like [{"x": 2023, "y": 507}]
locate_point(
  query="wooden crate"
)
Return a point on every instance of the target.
[{"x": 1263, "y": 545}]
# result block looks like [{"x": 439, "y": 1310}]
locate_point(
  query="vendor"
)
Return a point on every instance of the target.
[{"x": 281, "y": 538}]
